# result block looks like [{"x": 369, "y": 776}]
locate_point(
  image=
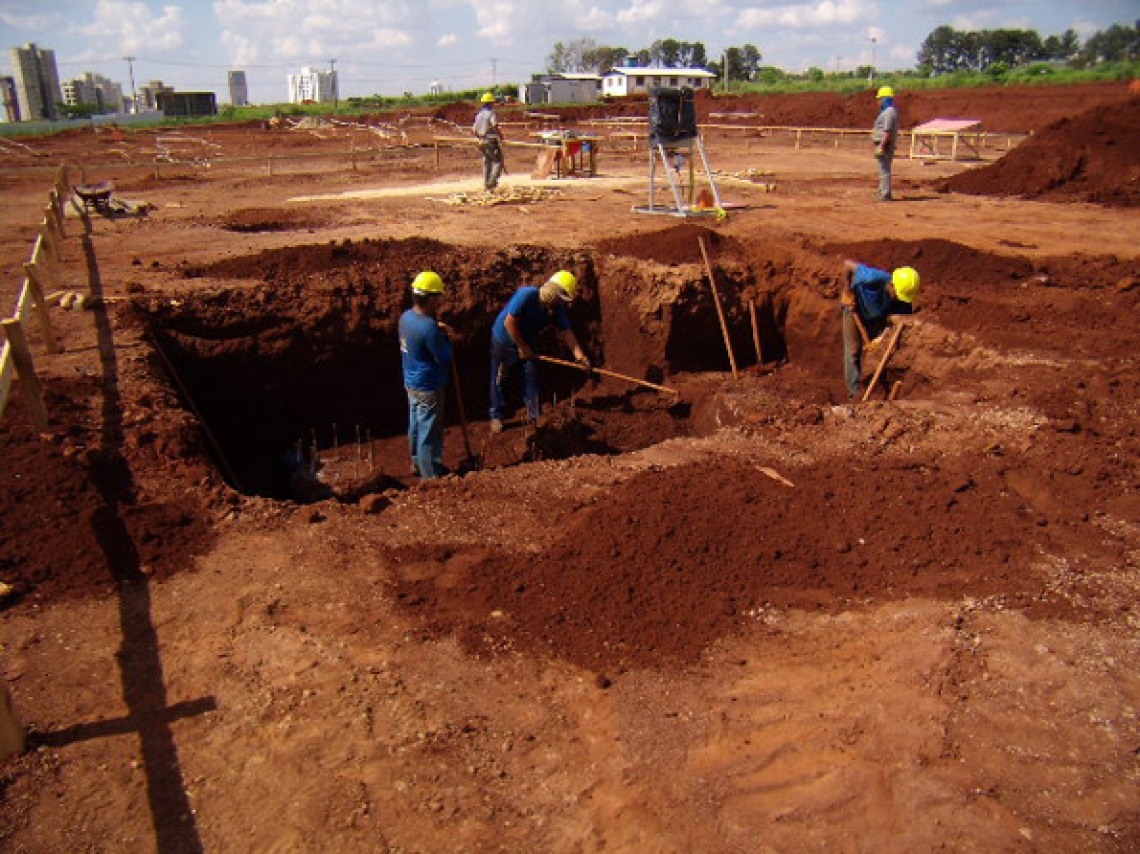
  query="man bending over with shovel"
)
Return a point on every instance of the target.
[
  {"x": 869, "y": 296},
  {"x": 515, "y": 332}
]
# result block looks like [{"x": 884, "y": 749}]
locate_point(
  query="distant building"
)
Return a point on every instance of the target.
[
  {"x": 37, "y": 83},
  {"x": 8, "y": 96},
  {"x": 436, "y": 88},
  {"x": 147, "y": 99},
  {"x": 636, "y": 81},
  {"x": 187, "y": 104},
  {"x": 312, "y": 86},
  {"x": 239, "y": 89},
  {"x": 566, "y": 88},
  {"x": 95, "y": 90}
]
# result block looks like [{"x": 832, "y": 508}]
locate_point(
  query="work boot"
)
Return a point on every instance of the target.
[{"x": 496, "y": 425}]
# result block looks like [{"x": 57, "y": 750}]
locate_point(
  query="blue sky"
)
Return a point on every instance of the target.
[{"x": 395, "y": 46}]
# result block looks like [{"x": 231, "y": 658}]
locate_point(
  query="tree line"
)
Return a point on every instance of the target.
[
  {"x": 587, "y": 56},
  {"x": 947, "y": 50},
  {"x": 944, "y": 51}
]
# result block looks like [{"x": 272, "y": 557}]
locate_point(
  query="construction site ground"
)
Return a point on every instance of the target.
[{"x": 748, "y": 616}]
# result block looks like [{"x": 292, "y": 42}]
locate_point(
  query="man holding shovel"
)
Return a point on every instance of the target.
[
  {"x": 425, "y": 350},
  {"x": 515, "y": 332},
  {"x": 869, "y": 296}
]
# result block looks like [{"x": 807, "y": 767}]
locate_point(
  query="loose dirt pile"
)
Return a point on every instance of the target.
[{"x": 1092, "y": 157}]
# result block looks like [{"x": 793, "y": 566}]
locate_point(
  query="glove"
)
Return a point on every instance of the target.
[
  {"x": 879, "y": 152},
  {"x": 847, "y": 297},
  {"x": 584, "y": 362}
]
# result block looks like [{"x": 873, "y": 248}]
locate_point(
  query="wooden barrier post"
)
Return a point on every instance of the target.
[
  {"x": 12, "y": 737},
  {"x": 719, "y": 309},
  {"x": 36, "y": 289},
  {"x": 49, "y": 241},
  {"x": 26, "y": 372},
  {"x": 56, "y": 205}
]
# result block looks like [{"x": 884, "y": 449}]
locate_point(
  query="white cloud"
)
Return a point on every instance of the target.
[
  {"x": 809, "y": 14},
  {"x": 447, "y": 39},
  {"x": 133, "y": 27},
  {"x": 639, "y": 12}
]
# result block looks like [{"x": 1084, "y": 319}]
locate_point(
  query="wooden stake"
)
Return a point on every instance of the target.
[
  {"x": 26, "y": 372},
  {"x": 12, "y": 736},
  {"x": 35, "y": 288},
  {"x": 756, "y": 332},
  {"x": 883, "y": 362},
  {"x": 719, "y": 309},
  {"x": 604, "y": 372}
]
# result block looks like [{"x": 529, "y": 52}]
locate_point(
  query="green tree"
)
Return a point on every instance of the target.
[
  {"x": 602, "y": 59},
  {"x": 1118, "y": 42},
  {"x": 571, "y": 56}
]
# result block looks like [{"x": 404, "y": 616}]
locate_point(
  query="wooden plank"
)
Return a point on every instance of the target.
[
  {"x": 34, "y": 287},
  {"x": 21, "y": 357}
]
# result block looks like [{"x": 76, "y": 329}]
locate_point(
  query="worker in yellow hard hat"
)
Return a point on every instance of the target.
[
  {"x": 884, "y": 135},
  {"x": 425, "y": 350},
  {"x": 869, "y": 297},
  {"x": 486, "y": 127},
  {"x": 515, "y": 333}
]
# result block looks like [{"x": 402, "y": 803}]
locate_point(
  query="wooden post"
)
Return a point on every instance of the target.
[
  {"x": 49, "y": 241},
  {"x": 883, "y": 362},
  {"x": 55, "y": 202},
  {"x": 12, "y": 737},
  {"x": 26, "y": 372},
  {"x": 35, "y": 288},
  {"x": 756, "y": 332},
  {"x": 719, "y": 309},
  {"x": 436, "y": 155}
]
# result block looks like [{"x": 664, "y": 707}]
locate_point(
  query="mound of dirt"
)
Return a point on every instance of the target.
[
  {"x": 676, "y": 245},
  {"x": 1092, "y": 157}
]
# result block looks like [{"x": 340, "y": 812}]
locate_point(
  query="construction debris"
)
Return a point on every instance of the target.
[{"x": 507, "y": 196}]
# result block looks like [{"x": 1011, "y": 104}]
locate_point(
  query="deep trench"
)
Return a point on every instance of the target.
[{"x": 283, "y": 380}]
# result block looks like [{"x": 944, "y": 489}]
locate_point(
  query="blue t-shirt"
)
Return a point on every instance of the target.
[
  {"x": 532, "y": 316},
  {"x": 874, "y": 300},
  {"x": 425, "y": 351}
]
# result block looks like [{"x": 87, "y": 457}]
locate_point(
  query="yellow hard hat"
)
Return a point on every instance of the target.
[
  {"x": 885, "y": 92},
  {"x": 427, "y": 283},
  {"x": 488, "y": 98},
  {"x": 568, "y": 282},
  {"x": 906, "y": 283}
]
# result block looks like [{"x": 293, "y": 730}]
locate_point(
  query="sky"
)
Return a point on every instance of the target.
[{"x": 389, "y": 47}]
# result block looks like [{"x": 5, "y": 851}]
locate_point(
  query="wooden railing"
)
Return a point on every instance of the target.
[{"x": 42, "y": 271}]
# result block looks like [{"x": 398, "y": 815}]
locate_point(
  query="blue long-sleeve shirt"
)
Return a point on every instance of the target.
[
  {"x": 532, "y": 316},
  {"x": 425, "y": 351},
  {"x": 871, "y": 294}
]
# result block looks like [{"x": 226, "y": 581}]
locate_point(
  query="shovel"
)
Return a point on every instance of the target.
[{"x": 472, "y": 462}]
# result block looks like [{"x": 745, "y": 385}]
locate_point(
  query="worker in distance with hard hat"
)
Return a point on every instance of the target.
[
  {"x": 486, "y": 127},
  {"x": 425, "y": 348},
  {"x": 884, "y": 135},
  {"x": 869, "y": 297},
  {"x": 516, "y": 330}
]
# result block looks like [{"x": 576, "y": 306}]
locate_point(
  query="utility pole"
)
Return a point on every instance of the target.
[
  {"x": 335, "y": 85},
  {"x": 871, "y": 74},
  {"x": 724, "y": 65},
  {"x": 134, "y": 97}
]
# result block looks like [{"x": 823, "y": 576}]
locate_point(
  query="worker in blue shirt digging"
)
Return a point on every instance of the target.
[
  {"x": 426, "y": 354},
  {"x": 515, "y": 333},
  {"x": 869, "y": 297}
]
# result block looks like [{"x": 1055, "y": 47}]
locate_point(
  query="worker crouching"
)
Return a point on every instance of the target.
[
  {"x": 515, "y": 333},
  {"x": 425, "y": 350},
  {"x": 869, "y": 297}
]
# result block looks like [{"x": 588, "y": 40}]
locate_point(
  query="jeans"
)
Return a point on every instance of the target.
[
  {"x": 885, "y": 174},
  {"x": 425, "y": 431},
  {"x": 504, "y": 360},
  {"x": 853, "y": 349},
  {"x": 492, "y": 162}
]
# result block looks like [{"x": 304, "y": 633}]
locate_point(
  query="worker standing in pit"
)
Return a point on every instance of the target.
[
  {"x": 884, "y": 135},
  {"x": 513, "y": 337},
  {"x": 425, "y": 348},
  {"x": 869, "y": 296},
  {"x": 486, "y": 127}
]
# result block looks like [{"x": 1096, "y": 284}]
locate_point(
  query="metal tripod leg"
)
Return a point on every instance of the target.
[
  {"x": 677, "y": 199},
  {"x": 708, "y": 172}
]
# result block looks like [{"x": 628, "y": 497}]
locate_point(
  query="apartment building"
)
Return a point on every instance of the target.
[
  {"x": 37, "y": 83},
  {"x": 239, "y": 89},
  {"x": 93, "y": 89},
  {"x": 311, "y": 85}
]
